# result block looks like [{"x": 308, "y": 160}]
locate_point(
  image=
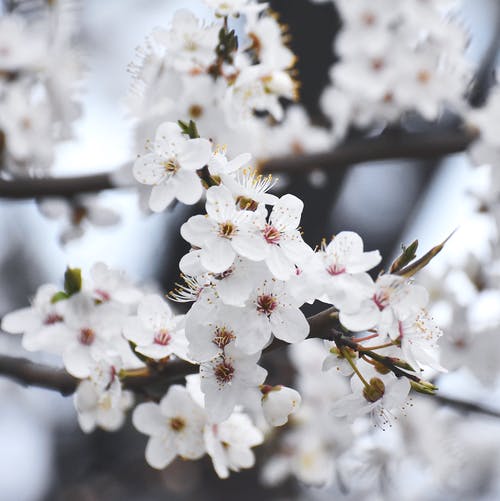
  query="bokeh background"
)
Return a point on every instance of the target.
[{"x": 43, "y": 453}]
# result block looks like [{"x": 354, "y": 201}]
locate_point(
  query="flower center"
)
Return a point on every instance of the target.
[
  {"x": 224, "y": 372},
  {"x": 381, "y": 300},
  {"x": 335, "y": 269},
  {"x": 195, "y": 111},
  {"x": 222, "y": 337},
  {"x": 102, "y": 295},
  {"x": 171, "y": 166},
  {"x": 266, "y": 304},
  {"x": 423, "y": 76},
  {"x": 271, "y": 234},
  {"x": 177, "y": 424},
  {"x": 52, "y": 318},
  {"x": 227, "y": 229},
  {"x": 162, "y": 337},
  {"x": 87, "y": 336}
]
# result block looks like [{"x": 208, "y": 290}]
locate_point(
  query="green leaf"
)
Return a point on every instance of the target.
[{"x": 72, "y": 281}]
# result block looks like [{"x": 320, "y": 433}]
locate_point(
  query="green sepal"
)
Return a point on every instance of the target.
[{"x": 189, "y": 128}]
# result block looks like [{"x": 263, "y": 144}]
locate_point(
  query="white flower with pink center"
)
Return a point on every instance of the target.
[
  {"x": 230, "y": 379},
  {"x": 171, "y": 167},
  {"x": 271, "y": 310},
  {"x": 340, "y": 269},
  {"x": 94, "y": 331},
  {"x": 284, "y": 243},
  {"x": 42, "y": 324},
  {"x": 112, "y": 285},
  {"x": 392, "y": 300},
  {"x": 224, "y": 232},
  {"x": 156, "y": 331},
  {"x": 175, "y": 427},
  {"x": 209, "y": 335}
]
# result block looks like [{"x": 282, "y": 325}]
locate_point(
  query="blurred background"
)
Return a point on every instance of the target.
[{"x": 43, "y": 453}]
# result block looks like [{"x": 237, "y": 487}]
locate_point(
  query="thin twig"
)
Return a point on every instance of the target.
[{"x": 433, "y": 144}]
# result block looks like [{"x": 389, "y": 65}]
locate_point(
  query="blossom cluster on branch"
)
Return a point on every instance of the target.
[
  {"x": 248, "y": 273},
  {"x": 211, "y": 98}
]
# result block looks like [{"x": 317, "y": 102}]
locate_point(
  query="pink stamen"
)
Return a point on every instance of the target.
[
  {"x": 271, "y": 234},
  {"x": 162, "y": 337}
]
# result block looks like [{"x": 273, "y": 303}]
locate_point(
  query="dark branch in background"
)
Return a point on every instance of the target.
[
  {"x": 389, "y": 145},
  {"x": 25, "y": 188},
  {"x": 484, "y": 79},
  {"x": 154, "y": 382}
]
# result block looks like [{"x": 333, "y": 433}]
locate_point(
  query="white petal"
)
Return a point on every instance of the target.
[
  {"x": 159, "y": 453},
  {"x": 20, "y": 321},
  {"x": 148, "y": 419},
  {"x": 289, "y": 324},
  {"x": 279, "y": 265},
  {"x": 197, "y": 230},
  {"x": 78, "y": 360},
  {"x": 187, "y": 187},
  {"x": 161, "y": 196},
  {"x": 219, "y": 256},
  {"x": 194, "y": 154},
  {"x": 250, "y": 245},
  {"x": 287, "y": 211},
  {"x": 149, "y": 169}
]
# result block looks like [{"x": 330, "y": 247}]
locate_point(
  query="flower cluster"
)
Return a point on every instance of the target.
[
  {"x": 39, "y": 74},
  {"x": 395, "y": 57},
  {"x": 220, "y": 76},
  {"x": 248, "y": 273}
]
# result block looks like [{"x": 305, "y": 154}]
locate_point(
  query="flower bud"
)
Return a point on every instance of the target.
[{"x": 278, "y": 403}]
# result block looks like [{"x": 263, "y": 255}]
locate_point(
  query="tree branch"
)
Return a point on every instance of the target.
[
  {"x": 30, "y": 373},
  {"x": 156, "y": 382},
  {"x": 389, "y": 145}
]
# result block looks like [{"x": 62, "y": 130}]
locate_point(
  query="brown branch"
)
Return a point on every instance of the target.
[
  {"x": 389, "y": 145},
  {"x": 156, "y": 382},
  {"x": 400, "y": 145},
  {"x": 30, "y": 373}
]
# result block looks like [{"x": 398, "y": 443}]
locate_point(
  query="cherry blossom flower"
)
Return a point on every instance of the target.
[
  {"x": 228, "y": 380},
  {"x": 100, "y": 400},
  {"x": 171, "y": 167},
  {"x": 392, "y": 300},
  {"x": 229, "y": 443},
  {"x": 42, "y": 324},
  {"x": 382, "y": 395},
  {"x": 224, "y": 232},
  {"x": 284, "y": 244},
  {"x": 175, "y": 427},
  {"x": 208, "y": 336},
  {"x": 189, "y": 44},
  {"x": 271, "y": 310},
  {"x": 155, "y": 331}
]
